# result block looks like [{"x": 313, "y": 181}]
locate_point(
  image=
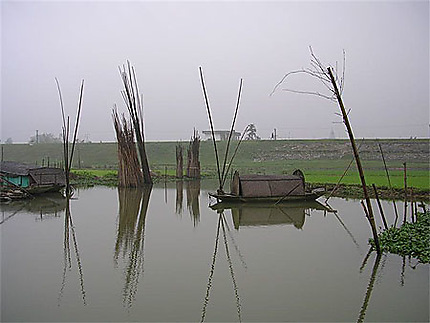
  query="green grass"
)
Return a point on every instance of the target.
[{"x": 322, "y": 161}]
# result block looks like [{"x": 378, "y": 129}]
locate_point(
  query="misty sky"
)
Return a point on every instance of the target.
[{"x": 386, "y": 78}]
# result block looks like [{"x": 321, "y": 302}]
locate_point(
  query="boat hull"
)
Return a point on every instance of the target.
[{"x": 230, "y": 198}]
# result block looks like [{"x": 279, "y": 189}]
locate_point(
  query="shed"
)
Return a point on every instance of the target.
[
  {"x": 268, "y": 185},
  {"x": 222, "y": 134},
  {"x": 32, "y": 176}
]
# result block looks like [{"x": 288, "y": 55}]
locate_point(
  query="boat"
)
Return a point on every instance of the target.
[
  {"x": 18, "y": 180},
  {"x": 272, "y": 189}
]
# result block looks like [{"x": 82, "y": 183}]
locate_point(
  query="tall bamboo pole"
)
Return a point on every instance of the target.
[
  {"x": 357, "y": 160},
  {"x": 405, "y": 178},
  {"x": 389, "y": 182}
]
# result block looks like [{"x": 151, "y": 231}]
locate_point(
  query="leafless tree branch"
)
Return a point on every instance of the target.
[{"x": 318, "y": 70}]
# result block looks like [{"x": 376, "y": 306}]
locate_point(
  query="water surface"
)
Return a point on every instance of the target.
[{"x": 163, "y": 255}]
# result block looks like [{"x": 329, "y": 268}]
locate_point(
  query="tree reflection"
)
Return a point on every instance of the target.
[
  {"x": 222, "y": 224},
  {"x": 133, "y": 205},
  {"x": 69, "y": 231}
]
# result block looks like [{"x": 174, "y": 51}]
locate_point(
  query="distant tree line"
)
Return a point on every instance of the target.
[{"x": 44, "y": 138}]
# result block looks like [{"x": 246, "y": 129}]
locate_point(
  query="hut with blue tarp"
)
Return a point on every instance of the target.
[{"x": 34, "y": 179}]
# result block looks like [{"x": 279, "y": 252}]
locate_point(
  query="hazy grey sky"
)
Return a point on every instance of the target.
[{"x": 387, "y": 65}]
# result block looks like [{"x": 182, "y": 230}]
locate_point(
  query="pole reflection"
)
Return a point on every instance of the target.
[
  {"x": 221, "y": 226},
  {"x": 69, "y": 231},
  {"x": 369, "y": 290}
]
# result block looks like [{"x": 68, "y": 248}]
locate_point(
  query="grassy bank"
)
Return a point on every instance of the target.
[{"x": 322, "y": 161}]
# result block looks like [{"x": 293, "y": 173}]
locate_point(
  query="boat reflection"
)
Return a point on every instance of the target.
[
  {"x": 257, "y": 214},
  {"x": 45, "y": 206},
  {"x": 133, "y": 206}
]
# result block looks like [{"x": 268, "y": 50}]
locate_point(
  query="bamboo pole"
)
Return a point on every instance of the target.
[
  {"x": 405, "y": 178},
  {"x": 220, "y": 189},
  {"x": 389, "y": 183},
  {"x": 224, "y": 172},
  {"x": 357, "y": 160},
  {"x": 380, "y": 207}
]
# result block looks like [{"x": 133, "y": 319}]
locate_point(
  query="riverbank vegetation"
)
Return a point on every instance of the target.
[
  {"x": 411, "y": 239},
  {"x": 322, "y": 161}
]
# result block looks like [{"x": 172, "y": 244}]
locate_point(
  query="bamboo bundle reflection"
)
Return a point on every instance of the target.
[
  {"x": 133, "y": 205},
  {"x": 193, "y": 192}
]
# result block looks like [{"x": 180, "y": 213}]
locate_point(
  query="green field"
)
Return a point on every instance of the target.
[{"x": 322, "y": 161}]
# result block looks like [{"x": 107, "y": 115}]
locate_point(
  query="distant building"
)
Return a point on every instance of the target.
[{"x": 222, "y": 134}]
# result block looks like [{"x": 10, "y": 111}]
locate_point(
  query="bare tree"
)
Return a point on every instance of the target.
[{"x": 334, "y": 80}]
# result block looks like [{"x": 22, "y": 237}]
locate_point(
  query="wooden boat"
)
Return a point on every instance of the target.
[
  {"x": 273, "y": 189},
  {"x": 29, "y": 179}
]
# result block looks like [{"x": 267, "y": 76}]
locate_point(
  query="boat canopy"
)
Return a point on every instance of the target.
[
  {"x": 268, "y": 185},
  {"x": 36, "y": 175}
]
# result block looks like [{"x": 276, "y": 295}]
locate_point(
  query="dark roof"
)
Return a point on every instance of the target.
[
  {"x": 11, "y": 167},
  {"x": 40, "y": 175},
  {"x": 256, "y": 177},
  {"x": 268, "y": 185}
]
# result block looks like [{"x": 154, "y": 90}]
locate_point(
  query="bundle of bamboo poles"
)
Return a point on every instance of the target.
[
  {"x": 179, "y": 162},
  {"x": 129, "y": 172},
  {"x": 193, "y": 166},
  {"x": 134, "y": 103}
]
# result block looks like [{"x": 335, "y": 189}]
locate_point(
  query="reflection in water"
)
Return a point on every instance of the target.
[
  {"x": 347, "y": 230},
  {"x": 193, "y": 200},
  {"x": 369, "y": 286},
  {"x": 133, "y": 205},
  {"x": 69, "y": 230},
  {"x": 222, "y": 224},
  {"x": 193, "y": 193},
  {"x": 179, "y": 196},
  {"x": 245, "y": 215},
  {"x": 44, "y": 205}
]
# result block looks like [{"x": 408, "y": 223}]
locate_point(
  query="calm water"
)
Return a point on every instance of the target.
[{"x": 111, "y": 257}]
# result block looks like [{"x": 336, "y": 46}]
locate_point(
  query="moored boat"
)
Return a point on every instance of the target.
[
  {"x": 268, "y": 189},
  {"x": 18, "y": 180}
]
